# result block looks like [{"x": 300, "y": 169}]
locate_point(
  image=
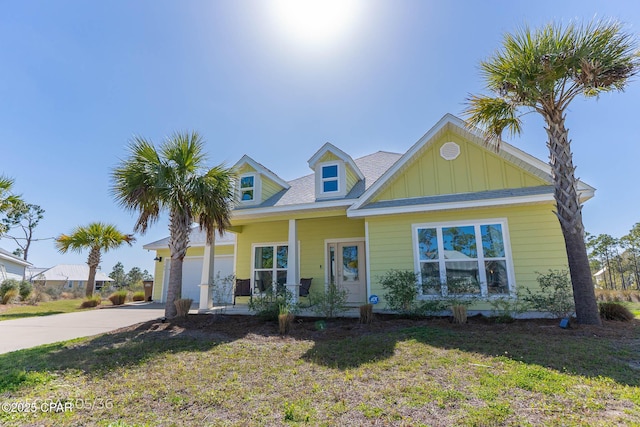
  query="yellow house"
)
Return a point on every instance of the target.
[{"x": 449, "y": 209}]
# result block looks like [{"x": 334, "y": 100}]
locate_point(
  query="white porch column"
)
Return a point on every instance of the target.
[
  {"x": 207, "y": 277},
  {"x": 292, "y": 260}
]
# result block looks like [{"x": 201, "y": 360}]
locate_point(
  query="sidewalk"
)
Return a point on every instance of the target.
[{"x": 33, "y": 331}]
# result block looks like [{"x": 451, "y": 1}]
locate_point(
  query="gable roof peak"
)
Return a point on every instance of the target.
[
  {"x": 259, "y": 167},
  {"x": 330, "y": 148},
  {"x": 449, "y": 122}
]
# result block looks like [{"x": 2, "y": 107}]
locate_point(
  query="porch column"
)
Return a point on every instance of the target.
[
  {"x": 207, "y": 277},
  {"x": 292, "y": 260}
]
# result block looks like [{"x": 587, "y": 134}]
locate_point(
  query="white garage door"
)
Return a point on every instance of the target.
[{"x": 192, "y": 273}]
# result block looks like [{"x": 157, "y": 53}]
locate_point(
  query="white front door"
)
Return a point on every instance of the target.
[{"x": 347, "y": 269}]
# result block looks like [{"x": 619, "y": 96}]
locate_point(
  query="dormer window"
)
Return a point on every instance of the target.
[
  {"x": 247, "y": 188},
  {"x": 330, "y": 182},
  {"x": 335, "y": 172}
]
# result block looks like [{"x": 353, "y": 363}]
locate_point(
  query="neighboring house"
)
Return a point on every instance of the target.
[
  {"x": 193, "y": 262},
  {"x": 601, "y": 280},
  {"x": 11, "y": 266},
  {"x": 468, "y": 220},
  {"x": 66, "y": 277}
]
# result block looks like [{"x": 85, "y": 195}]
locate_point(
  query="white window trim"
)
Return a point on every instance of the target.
[
  {"x": 341, "y": 179},
  {"x": 257, "y": 189},
  {"x": 480, "y": 259},
  {"x": 274, "y": 269}
]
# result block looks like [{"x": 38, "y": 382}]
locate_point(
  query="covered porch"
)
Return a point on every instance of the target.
[{"x": 300, "y": 255}]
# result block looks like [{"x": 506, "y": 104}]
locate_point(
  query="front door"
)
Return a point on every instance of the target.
[{"x": 347, "y": 269}]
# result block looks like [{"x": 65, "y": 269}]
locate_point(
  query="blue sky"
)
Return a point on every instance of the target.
[{"x": 79, "y": 79}]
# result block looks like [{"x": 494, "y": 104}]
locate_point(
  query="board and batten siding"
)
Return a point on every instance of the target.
[
  {"x": 198, "y": 251},
  {"x": 475, "y": 169},
  {"x": 351, "y": 178},
  {"x": 536, "y": 241},
  {"x": 269, "y": 188}
]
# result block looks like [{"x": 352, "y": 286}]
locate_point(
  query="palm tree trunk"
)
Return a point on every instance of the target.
[
  {"x": 93, "y": 262},
  {"x": 174, "y": 291},
  {"x": 179, "y": 227},
  {"x": 569, "y": 213}
]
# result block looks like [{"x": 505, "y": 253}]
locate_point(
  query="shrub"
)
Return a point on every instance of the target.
[
  {"x": 431, "y": 307},
  {"x": 25, "y": 290},
  {"x": 555, "y": 296},
  {"x": 268, "y": 305},
  {"x": 11, "y": 296},
  {"x": 504, "y": 309},
  {"x": 9, "y": 285},
  {"x": 118, "y": 298},
  {"x": 138, "y": 296},
  {"x": 38, "y": 295},
  {"x": 615, "y": 311},
  {"x": 401, "y": 288},
  {"x": 330, "y": 303},
  {"x": 53, "y": 292},
  {"x": 182, "y": 306},
  {"x": 91, "y": 302}
]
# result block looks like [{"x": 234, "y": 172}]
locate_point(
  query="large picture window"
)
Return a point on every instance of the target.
[
  {"x": 462, "y": 259},
  {"x": 269, "y": 266}
]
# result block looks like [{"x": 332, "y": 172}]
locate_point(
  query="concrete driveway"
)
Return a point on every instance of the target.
[{"x": 33, "y": 331}]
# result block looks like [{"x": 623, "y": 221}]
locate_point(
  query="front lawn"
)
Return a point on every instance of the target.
[
  {"x": 236, "y": 370},
  {"x": 17, "y": 311}
]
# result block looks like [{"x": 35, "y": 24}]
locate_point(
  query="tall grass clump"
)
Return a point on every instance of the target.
[
  {"x": 138, "y": 296},
  {"x": 615, "y": 311},
  {"x": 182, "y": 306},
  {"x": 118, "y": 297},
  {"x": 91, "y": 302}
]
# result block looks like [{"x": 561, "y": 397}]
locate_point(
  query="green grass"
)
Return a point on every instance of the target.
[
  {"x": 429, "y": 374},
  {"x": 634, "y": 307},
  {"x": 42, "y": 309}
]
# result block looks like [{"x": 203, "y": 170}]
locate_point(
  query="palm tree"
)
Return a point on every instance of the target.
[
  {"x": 96, "y": 237},
  {"x": 174, "y": 179},
  {"x": 7, "y": 199},
  {"x": 543, "y": 71}
]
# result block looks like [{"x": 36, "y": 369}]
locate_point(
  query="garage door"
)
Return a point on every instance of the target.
[{"x": 192, "y": 273}]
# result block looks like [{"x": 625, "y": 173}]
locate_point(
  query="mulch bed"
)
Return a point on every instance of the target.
[{"x": 233, "y": 327}]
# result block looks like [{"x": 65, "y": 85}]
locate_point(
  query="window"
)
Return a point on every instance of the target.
[
  {"x": 330, "y": 179},
  {"x": 247, "y": 188},
  {"x": 462, "y": 259},
  {"x": 269, "y": 266},
  {"x": 70, "y": 284}
]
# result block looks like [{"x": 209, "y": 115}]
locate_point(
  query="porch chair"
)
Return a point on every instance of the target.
[
  {"x": 242, "y": 289},
  {"x": 305, "y": 284}
]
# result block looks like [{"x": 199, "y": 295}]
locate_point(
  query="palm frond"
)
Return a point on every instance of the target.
[{"x": 493, "y": 116}]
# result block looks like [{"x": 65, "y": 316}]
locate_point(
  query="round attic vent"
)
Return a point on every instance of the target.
[{"x": 449, "y": 150}]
